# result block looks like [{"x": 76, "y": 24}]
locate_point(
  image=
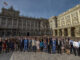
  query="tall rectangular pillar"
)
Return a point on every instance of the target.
[
  {"x": 58, "y": 32},
  {"x": 69, "y": 32},
  {"x": 77, "y": 31},
  {"x": 63, "y": 32},
  {"x": 54, "y": 33}
]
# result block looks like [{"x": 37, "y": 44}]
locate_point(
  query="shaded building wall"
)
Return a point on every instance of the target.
[{"x": 12, "y": 24}]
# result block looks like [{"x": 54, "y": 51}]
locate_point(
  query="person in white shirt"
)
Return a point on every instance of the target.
[{"x": 76, "y": 47}]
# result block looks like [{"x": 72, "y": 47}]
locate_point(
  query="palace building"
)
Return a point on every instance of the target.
[
  {"x": 12, "y": 24},
  {"x": 66, "y": 24}
]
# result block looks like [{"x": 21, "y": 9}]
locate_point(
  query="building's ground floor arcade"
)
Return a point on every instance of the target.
[
  {"x": 18, "y": 32},
  {"x": 67, "y": 32}
]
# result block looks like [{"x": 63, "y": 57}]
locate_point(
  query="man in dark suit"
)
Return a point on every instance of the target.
[{"x": 59, "y": 45}]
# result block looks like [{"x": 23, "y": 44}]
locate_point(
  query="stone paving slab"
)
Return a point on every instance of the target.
[
  {"x": 5, "y": 56},
  {"x": 41, "y": 56}
]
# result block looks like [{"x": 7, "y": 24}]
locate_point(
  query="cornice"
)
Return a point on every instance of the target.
[{"x": 70, "y": 10}]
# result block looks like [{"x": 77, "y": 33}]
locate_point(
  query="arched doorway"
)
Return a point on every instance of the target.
[
  {"x": 65, "y": 32},
  {"x": 55, "y": 32},
  {"x": 28, "y": 34},
  {"x": 73, "y": 31}
]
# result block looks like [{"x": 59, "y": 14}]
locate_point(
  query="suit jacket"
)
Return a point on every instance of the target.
[{"x": 59, "y": 43}]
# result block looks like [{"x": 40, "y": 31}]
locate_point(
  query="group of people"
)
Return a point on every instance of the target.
[
  {"x": 50, "y": 45},
  {"x": 7, "y": 45}
]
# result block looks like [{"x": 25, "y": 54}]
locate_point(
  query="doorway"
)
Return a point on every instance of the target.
[
  {"x": 55, "y": 32},
  {"x": 66, "y": 32},
  {"x": 72, "y": 31},
  {"x": 28, "y": 34}
]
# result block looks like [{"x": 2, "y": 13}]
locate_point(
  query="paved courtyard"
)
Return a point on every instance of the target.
[
  {"x": 5, "y": 56},
  {"x": 37, "y": 56}
]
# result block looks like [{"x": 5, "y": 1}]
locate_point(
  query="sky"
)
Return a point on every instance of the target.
[{"x": 40, "y": 8}]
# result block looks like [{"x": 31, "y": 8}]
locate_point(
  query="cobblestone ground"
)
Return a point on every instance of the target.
[{"x": 42, "y": 56}]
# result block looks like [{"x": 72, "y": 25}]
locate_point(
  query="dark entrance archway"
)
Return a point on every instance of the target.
[
  {"x": 73, "y": 31},
  {"x": 55, "y": 32},
  {"x": 28, "y": 34},
  {"x": 65, "y": 32}
]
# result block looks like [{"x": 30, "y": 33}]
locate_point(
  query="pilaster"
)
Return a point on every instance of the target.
[{"x": 69, "y": 32}]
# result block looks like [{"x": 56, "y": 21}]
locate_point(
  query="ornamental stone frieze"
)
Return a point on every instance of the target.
[
  {"x": 58, "y": 23},
  {"x": 62, "y": 22},
  {"x": 75, "y": 18},
  {"x": 68, "y": 21}
]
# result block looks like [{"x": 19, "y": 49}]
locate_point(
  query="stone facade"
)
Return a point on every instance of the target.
[
  {"x": 66, "y": 24},
  {"x": 12, "y": 24}
]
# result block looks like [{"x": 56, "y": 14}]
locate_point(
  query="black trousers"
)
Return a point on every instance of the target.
[
  {"x": 71, "y": 49},
  {"x": 34, "y": 48},
  {"x": 79, "y": 51},
  {"x": 49, "y": 49},
  {"x": 59, "y": 49},
  {"x": 21, "y": 48},
  {"x": 76, "y": 50},
  {"x": 0, "y": 49},
  {"x": 41, "y": 48}
]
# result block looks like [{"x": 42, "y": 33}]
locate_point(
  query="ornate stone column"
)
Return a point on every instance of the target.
[
  {"x": 6, "y": 21},
  {"x": 0, "y": 20},
  {"x": 58, "y": 32},
  {"x": 69, "y": 32},
  {"x": 54, "y": 33},
  {"x": 63, "y": 32},
  {"x": 78, "y": 16},
  {"x": 12, "y": 22},
  {"x": 77, "y": 31},
  {"x": 22, "y": 24},
  {"x": 17, "y": 23},
  {"x": 71, "y": 19}
]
